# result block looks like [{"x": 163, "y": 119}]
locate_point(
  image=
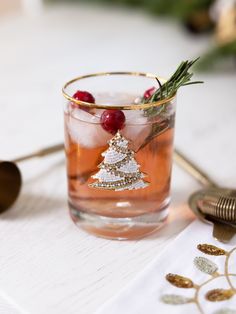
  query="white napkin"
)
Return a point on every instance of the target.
[
  {"x": 144, "y": 294},
  {"x": 8, "y": 306}
]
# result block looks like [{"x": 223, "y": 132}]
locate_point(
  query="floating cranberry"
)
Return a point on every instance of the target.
[
  {"x": 112, "y": 120},
  {"x": 83, "y": 96},
  {"x": 149, "y": 92}
]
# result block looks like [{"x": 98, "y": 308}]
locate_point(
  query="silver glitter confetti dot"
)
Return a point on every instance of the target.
[
  {"x": 205, "y": 265},
  {"x": 175, "y": 299}
]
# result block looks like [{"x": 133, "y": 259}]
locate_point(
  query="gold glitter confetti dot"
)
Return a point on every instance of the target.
[
  {"x": 216, "y": 295},
  {"x": 179, "y": 281},
  {"x": 211, "y": 249}
]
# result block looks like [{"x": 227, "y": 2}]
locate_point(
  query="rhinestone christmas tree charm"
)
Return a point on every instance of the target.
[{"x": 119, "y": 170}]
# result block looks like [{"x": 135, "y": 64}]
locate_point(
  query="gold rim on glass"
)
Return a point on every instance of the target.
[{"x": 122, "y": 106}]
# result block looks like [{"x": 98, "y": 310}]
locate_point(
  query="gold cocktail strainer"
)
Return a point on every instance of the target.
[{"x": 212, "y": 204}]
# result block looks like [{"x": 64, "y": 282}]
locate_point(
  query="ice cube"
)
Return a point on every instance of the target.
[
  {"x": 112, "y": 99},
  {"x": 138, "y": 100},
  {"x": 85, "y": 129},
  {"x": 137, "y": 128},
  {"x": 135, "y": 117},
  {"x": 115, "y": 98}
]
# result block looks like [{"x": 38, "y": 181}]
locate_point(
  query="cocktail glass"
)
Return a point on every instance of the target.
[{"x": 118, "y": 180}]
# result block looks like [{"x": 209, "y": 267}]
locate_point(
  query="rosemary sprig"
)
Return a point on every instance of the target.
[{"x": 181, "y": 77}]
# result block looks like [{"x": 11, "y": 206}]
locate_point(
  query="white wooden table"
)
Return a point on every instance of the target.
[{"x": 47, "y": 265}]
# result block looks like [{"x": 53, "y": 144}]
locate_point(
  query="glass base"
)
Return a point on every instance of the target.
[{"x": 125, "y": 228}]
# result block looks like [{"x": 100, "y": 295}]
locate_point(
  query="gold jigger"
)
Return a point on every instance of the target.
[
  {"x": 10, "y": 184},
  {"x": 10, "y": 176}
]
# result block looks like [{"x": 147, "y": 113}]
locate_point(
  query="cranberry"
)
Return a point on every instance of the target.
[
  {"x": 149, "y": 92},
  {"x": 83, "y": 96},
  {"x": 112, "y": 120}
]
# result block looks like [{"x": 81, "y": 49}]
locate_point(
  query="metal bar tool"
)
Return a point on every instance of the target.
[{"x": 212, "y": 204}]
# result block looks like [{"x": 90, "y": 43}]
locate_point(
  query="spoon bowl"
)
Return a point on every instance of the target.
[{"x": 10, "y": 184}]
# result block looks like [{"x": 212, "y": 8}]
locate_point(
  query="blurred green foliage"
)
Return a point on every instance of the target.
[
  {"x": 180, "y": 9},
  {"x": 217, "y": 55}
]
